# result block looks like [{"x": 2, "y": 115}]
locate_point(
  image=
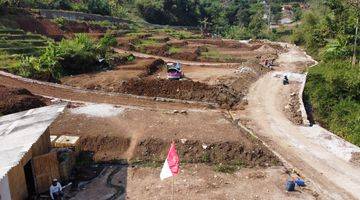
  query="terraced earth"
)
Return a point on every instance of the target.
[{"x": 17, "y": 42}]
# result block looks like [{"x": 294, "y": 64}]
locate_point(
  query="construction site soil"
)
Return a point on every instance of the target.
[
  {"x": 82, "y": 27},
  {"x": 33, "y": 23},
  {"x": 185, "y": 90},
  {"x": 18, "y": 99},
  {"x": 57, "y": 91},
  {"x": 204, "y": 50},
  {"x": 223, "y": 85},
  {"x": 144, "y": 135}
]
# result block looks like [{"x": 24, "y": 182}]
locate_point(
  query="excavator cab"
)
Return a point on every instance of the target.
[{"x": 174, "y": 71}]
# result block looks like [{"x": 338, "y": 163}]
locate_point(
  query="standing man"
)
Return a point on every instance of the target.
[{"x": 56, "y": 190}]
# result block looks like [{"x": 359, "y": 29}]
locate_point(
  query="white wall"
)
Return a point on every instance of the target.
[{"x": 4, "y": 189}]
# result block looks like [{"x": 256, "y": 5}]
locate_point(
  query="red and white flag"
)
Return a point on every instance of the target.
[{"x": 171, "y": 165}]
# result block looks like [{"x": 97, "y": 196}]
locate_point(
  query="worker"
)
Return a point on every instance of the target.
[
  {"x": 56, "y": 190},
  {"x": 290, "y": 185},
  {"x": 286, "y": 80}
]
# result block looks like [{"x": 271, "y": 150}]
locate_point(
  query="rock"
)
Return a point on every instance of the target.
[
  {"x": 204, "y": 146},
  {"x": 183, "y": 112}
]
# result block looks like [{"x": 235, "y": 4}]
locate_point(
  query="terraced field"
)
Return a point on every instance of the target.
[{"x": 15, "y": 41}]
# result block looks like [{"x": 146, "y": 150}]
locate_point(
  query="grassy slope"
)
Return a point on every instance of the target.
[{"x": 334, "y": 92}]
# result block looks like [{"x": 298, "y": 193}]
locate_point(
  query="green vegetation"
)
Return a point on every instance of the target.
[
  {"x": 14, "y": 41},
  {"x": 62, "y": 22},
  {"x": 142, "y": 163},
  {"x": 8, "y": 61},
  {"x": 72, "y": 56},
  {"x": 333, "y": 88},
  {"x": 147, "y": 42},
  {"x": 174, "y": 50},
  {"x": 233, "y": 19},
  {"x": 102, "y": 7},
  {"x": 181, "y": 34},
  {"x": 328, "y": 28},
  {"x": 229, "y": 168},
  {"x": 216, "y": 56},
  {"x": 334, "y": 91}
]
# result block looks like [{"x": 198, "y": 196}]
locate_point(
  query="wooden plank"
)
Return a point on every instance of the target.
[{"x": 46, "y": 168}]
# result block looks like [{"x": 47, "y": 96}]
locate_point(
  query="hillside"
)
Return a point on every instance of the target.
[
  {"x": 328, "y": 32},
  {"x": 240, "y": 19},
  {"x": 254, "y": 94}
]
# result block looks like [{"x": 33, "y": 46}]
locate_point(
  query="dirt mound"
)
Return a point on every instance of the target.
[
  {"x": 185, "y": 90},
  {"x": 185, "y": 55},
  {"x": 246, "y": 74},
  {"x": 153, "y": 67},
  {"x": 160, "y": 50},
  {"x": 104, "y": 146},
  {"x": 266, "y": 48},
  {"x": 238, "y": 153},
  {"x": 30, "y": 23},
  {"x": 14, "y": 100},
  {"x": 177, "y": 43}
]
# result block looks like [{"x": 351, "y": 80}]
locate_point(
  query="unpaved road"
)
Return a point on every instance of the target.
[
  {"x": 75, "y": 94},
  {"x": 332, "y": 176}
]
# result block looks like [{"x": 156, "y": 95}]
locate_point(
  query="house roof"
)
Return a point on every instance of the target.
[{"x": 19, "y": 131}]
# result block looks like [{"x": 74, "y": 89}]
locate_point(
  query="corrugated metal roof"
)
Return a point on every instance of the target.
[{"x": 19, "y": 131}]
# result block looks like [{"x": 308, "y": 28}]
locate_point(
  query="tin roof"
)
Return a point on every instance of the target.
[{"x": 19, "y": 131}]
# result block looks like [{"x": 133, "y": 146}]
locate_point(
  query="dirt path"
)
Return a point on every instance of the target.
[
  {"x": 74, "y": 94},
  {"x": 333, "y": 176},
  {"x": 184, "y": 62}
]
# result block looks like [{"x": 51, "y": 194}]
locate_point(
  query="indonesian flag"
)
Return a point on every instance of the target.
[{"x": 171, "y": 165}]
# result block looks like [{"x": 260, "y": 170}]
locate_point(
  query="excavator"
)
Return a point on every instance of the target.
[{"x": 174, "y": 71}]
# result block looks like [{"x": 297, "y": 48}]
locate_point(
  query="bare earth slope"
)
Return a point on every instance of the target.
[{"x": 334, "y": 176}]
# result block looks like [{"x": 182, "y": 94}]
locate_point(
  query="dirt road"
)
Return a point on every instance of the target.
[
  {"x": 75, "y": 94},
  {"x": 334, "y": 176}
]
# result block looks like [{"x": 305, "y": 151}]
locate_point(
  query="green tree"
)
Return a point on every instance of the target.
[
  {"x": 101, "y": 7},
  {"x": 257, "y": 24}
]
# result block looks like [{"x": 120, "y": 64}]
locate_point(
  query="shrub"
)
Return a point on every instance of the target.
[
  {"x": 61, "y": 4},
  {"x": 60, "y": 21},
  {"x": 238, "y": 33},
  {"x": 105, "y": 42},
  {"x": 101, "y": 7},
  {"x": 174, "y": 50},
  {"x": 117, "y": 10},
  {"x": 73, "y": 56},
  {"x": 333, "y": 89}
]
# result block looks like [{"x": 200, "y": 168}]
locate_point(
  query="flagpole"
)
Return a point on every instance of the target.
[
  {"x": 173, "y": 179},
  {"x": 173, "y": 187}
]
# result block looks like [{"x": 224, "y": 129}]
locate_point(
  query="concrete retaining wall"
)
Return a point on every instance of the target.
[
  {"x": 71, "y": 15},
  {"x": 304, "y": 115}
]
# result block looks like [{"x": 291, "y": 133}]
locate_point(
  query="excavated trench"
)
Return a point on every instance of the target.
[
  {"x": 184, "y": 90},
  {"x": 194, "y": 151},
  {"x": 246, "y": 153}
]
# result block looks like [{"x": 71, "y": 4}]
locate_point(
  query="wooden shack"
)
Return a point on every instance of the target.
[{"x": 27, "y": 166}]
